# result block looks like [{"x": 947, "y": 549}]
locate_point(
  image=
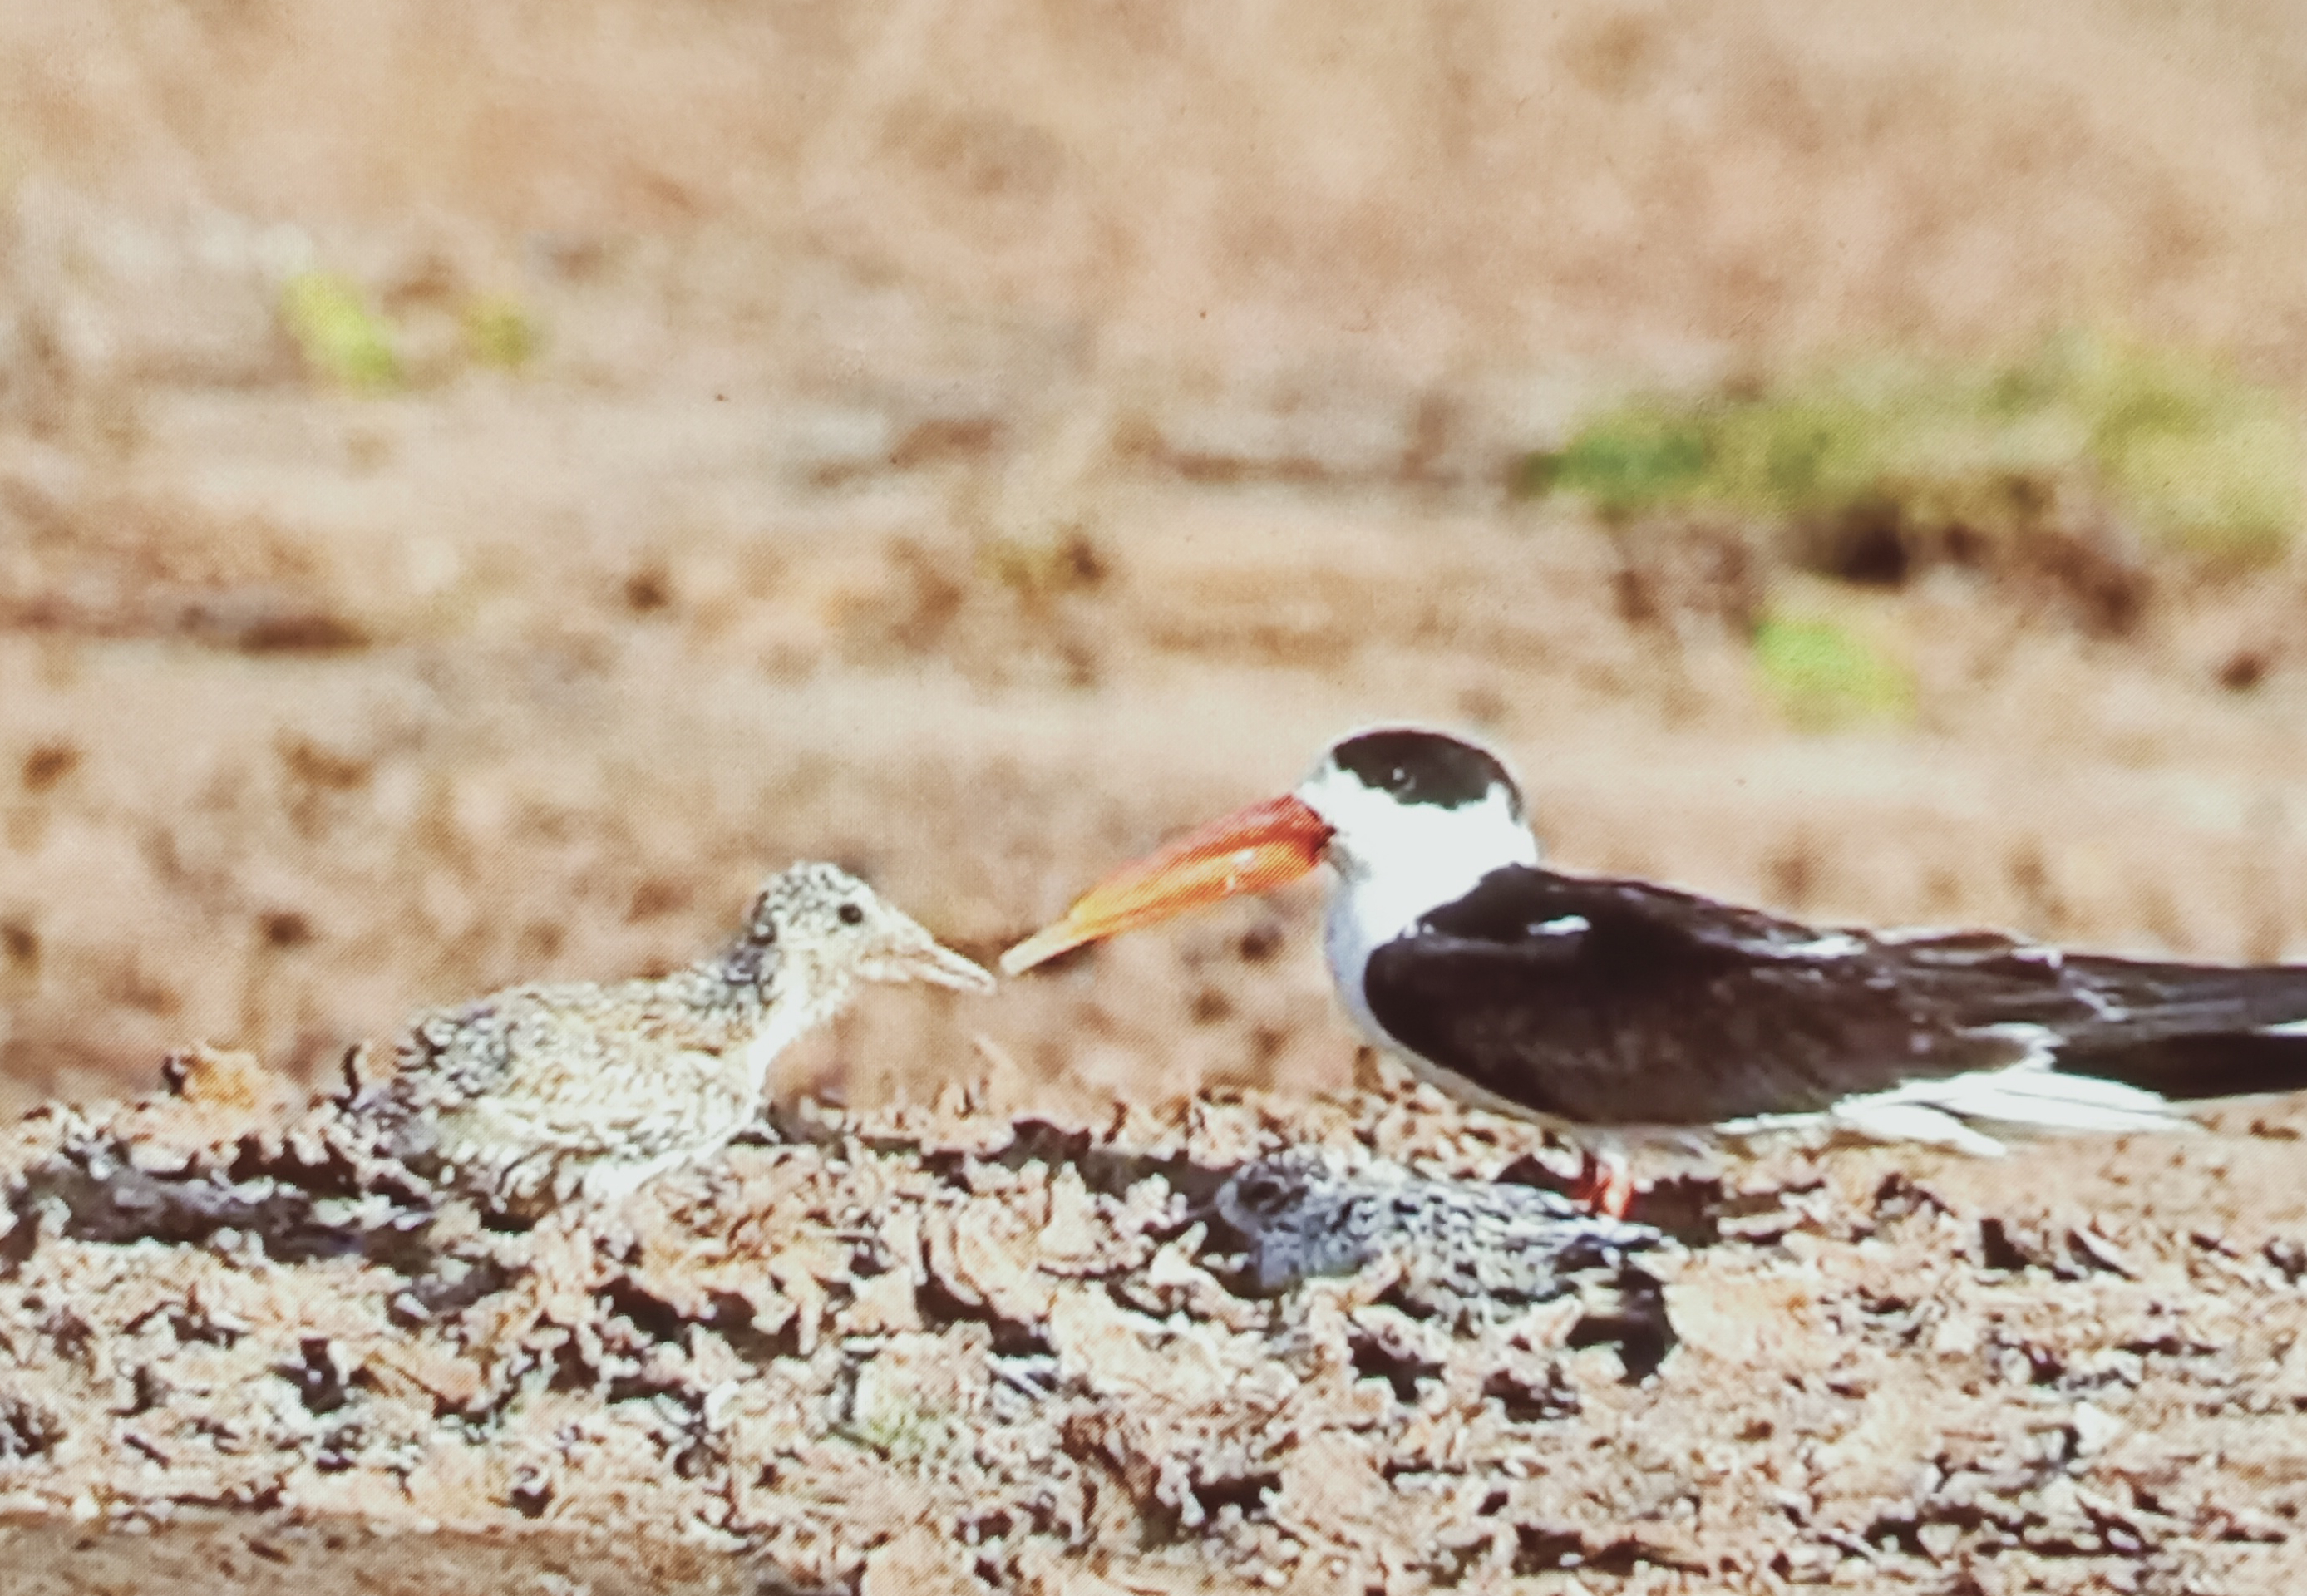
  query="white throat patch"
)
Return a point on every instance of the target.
[{"x": 1397, "y": 860}]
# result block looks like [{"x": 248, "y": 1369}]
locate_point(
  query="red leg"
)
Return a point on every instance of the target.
[{"x": 1605, "y": 1184}]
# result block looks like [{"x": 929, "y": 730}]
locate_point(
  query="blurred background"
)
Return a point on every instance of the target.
[{"x": 480, "y": 486}]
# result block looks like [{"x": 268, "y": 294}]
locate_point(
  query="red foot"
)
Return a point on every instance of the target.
[{"x": 1605, "y": 1185}]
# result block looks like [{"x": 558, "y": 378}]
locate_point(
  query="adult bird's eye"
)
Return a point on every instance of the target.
[{"x": 851, "y": 914}]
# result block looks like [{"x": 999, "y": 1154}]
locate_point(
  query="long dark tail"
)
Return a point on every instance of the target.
[{"x": 2192, "y": 1030}]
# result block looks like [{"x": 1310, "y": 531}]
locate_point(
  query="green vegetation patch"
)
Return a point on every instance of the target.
[
  {"x": 2197, "y": 457},
  {"x": 1825, "y": 675},
  {"x": 1628, "y": 461},
  {"x": 340, "y": 338},
  {"x": 499, "y": 332}
]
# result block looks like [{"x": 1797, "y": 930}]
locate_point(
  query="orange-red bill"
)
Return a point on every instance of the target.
[{"x": 1250, "y": 850}]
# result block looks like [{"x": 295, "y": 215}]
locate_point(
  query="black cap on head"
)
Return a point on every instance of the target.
[{"x": 1418, "y": 766}]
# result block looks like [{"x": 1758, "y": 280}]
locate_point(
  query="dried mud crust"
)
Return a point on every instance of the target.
[{"x": 946, "y": 1350}]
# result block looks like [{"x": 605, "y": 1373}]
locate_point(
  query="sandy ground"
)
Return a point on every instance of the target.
[
  {"x": 950, "y": 1350},
  {"x": 969, "y": 443}
]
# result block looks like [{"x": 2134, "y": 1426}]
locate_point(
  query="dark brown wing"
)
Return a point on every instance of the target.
[{"x": 1619, "y": 1002}]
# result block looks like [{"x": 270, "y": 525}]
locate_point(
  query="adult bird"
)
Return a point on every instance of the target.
[
  {"x": 1608, "y": 1006},
  {"x": 536, "y": 1095}
]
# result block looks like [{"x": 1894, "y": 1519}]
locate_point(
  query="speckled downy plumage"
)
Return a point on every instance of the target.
[
  {"x": 1460, "y": 1248},
  {"x": 536, "y": 1095}
]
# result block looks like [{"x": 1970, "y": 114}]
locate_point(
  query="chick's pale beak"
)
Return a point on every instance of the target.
[
  {"x": 922, "y": 957},
  {"x": 1252, "y": 850}
]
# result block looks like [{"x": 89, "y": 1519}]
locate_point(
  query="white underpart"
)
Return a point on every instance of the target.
[
  {"x": 1825, "y": 945},
  {"x": 2030, "y": 1094},
  {"x": 793, "y": 1015},
  {"x": 2297, "y": 1027},
  {"x": 1396, "y": 862}
]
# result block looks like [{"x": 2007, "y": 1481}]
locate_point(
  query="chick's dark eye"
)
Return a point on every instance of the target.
[{"x": 851, "y": 914}]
